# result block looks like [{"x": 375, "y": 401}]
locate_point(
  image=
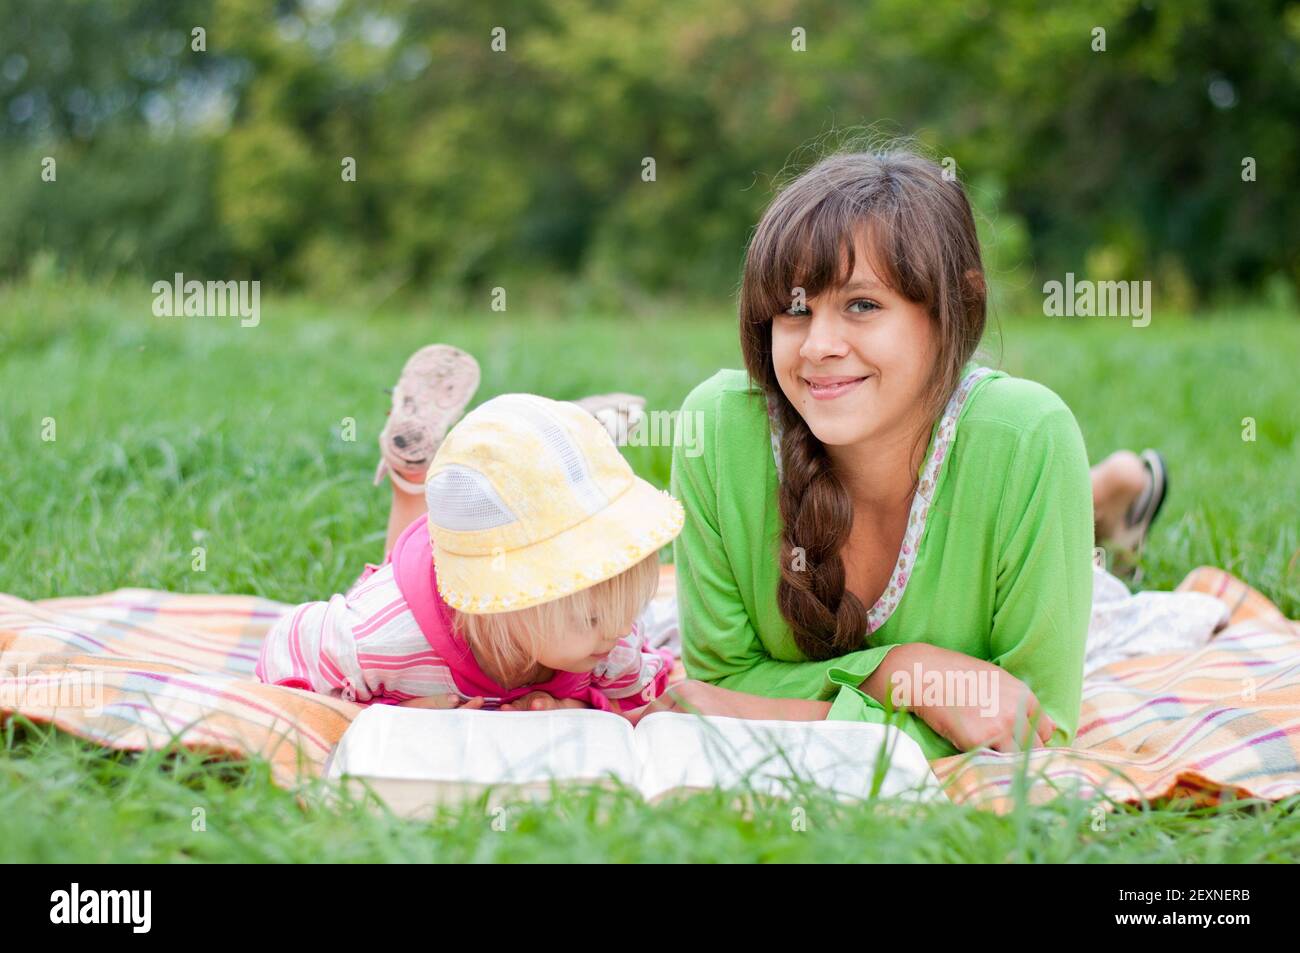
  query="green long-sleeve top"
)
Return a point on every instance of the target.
[{"x": 1002, "y": 569}]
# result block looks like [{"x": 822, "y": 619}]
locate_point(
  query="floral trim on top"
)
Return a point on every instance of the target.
[{"x": 879, "y": 613}]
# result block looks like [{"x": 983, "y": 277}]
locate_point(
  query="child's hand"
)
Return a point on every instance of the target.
[
  {"x": 449, "y": 700},
  {"x": 542, "y": 701}
]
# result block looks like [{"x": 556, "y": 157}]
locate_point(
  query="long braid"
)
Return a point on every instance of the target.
[{"x": 816, "y": 514}]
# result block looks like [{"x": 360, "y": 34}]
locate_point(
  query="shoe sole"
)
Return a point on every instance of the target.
[
  {"x": 436, "y": 384},
  {"x": 620, "y": 414}
]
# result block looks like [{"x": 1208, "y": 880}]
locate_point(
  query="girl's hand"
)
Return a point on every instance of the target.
[
  {"x": 971, "y": 702},
  {"x": 542, "y": 701},
  {"x": 449, "y": 700},
  {"x": 702, "y": 698}
]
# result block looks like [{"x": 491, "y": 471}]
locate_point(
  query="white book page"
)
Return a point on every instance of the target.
[
  {"x": 690, "y": 751},
  {"x": 486, "y": 747}
]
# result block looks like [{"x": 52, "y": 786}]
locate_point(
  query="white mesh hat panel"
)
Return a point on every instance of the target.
[
  {"x": 557, "y": 439},
  {"x": 462, "y": 499}
]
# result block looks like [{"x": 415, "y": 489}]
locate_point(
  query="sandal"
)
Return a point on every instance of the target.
[
  {"x": 1144, "y": 510},
  {"x": 619, "y": 414},
  {"x": 436, "y": 384}
]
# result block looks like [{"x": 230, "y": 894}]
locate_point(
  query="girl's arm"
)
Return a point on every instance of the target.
[
  {"x": 992, "y": 709},
  {"x": 1044, "y": 571},
  {"x": 1013, "y": 721},
  {"x": 702, "y": 698}
]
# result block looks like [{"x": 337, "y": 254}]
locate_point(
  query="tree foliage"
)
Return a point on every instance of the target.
[{"x": 477, "y": 165}]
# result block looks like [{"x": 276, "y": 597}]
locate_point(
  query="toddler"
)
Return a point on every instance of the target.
[{"x": 521, "y": 586}]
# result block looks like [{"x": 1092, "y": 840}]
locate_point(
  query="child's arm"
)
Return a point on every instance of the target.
[
  {"x": 442, "y": 702},
  {"x": 543, "y": 701}
]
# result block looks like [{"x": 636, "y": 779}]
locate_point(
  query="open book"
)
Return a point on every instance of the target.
[{"x": 414, "y": 757}]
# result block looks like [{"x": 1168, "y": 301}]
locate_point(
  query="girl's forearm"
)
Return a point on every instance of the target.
[
  {"x": 962, "y": 721},
  {"x": 799, "y": 709},
  {"x": 901, "y": 658},
  {"x": 778, "y": 709},
  {"x": 904, "y": 658}
]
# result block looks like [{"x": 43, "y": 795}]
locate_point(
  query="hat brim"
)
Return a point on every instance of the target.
[{"x": 639, "y": 522}]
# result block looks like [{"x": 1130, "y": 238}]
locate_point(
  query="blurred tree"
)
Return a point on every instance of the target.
[{"x": 507, "y": 143}]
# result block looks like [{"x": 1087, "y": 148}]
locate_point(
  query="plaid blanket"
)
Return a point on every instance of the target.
[{"x": 137, "y": 669}]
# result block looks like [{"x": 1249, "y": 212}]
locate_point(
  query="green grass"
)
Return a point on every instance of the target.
[
  {"x": 177, "y": 432},
  {"x": 61, "y": 801}
]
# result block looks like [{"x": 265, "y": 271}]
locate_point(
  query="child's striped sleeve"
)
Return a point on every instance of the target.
[{"x": 634, "y": 674}]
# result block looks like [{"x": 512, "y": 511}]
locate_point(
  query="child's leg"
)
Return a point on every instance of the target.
[
  {"x": 405, "y": 510},
  {"x": 621, "y": 414},
  {"x": 436, "y": 384}
]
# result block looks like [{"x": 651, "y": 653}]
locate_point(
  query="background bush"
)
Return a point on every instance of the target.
[{"x": 479, "y": 168}]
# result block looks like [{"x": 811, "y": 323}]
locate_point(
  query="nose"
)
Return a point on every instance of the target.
[{"x": 823, "y": 339}]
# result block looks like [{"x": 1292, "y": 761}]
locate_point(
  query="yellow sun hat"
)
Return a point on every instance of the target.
[{"x": 530, "y": 501}]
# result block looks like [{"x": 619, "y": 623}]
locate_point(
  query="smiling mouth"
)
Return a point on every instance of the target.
[{"x": 828, "y": 388}]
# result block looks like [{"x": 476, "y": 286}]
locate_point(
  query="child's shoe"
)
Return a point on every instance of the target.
[
  {"x": 619, "y": 414},
  {"x": 436, "y": 384}
]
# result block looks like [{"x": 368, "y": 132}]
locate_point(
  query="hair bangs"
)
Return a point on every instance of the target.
[{"x": 812, "y": 250}]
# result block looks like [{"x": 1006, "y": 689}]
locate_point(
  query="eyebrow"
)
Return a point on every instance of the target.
[{"x": 864, "y": 285}]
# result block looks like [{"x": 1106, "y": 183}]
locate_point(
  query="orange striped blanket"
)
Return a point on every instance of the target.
[{"x": 136, "y": 669}]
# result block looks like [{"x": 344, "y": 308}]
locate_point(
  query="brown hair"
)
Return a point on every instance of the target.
[{"x": 920, "y": 231}]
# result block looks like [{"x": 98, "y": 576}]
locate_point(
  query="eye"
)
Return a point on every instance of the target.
[{"x": 862, "y": 306}]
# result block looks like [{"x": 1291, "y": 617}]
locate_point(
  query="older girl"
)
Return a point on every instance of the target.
[{"x": 874, "y": 514}]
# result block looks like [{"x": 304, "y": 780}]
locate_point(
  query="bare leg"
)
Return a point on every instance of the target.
[
  {"x": 405, "y": 510},
  {"x": 1116, "y": 483},
  {"x": 433, "y": 390}
]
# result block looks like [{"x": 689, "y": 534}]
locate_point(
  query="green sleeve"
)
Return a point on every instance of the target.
[
  {"x": 719, "y": 641},
  {"x": 1044, "y": 574},
  {"x": 853, "y": 704}
]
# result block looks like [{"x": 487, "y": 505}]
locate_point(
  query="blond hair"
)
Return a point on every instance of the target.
[{"x": 514, "y": 641}]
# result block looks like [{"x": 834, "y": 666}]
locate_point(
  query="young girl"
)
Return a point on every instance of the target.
[{"x": 522, "y": 585}]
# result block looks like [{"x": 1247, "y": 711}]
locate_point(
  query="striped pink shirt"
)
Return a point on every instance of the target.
[{"x": 390, "y": 639}]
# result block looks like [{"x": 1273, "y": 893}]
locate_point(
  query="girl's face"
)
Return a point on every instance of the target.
[
  {"x": 582, "y": 649},
  {"x": 856, "y": 360}
]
